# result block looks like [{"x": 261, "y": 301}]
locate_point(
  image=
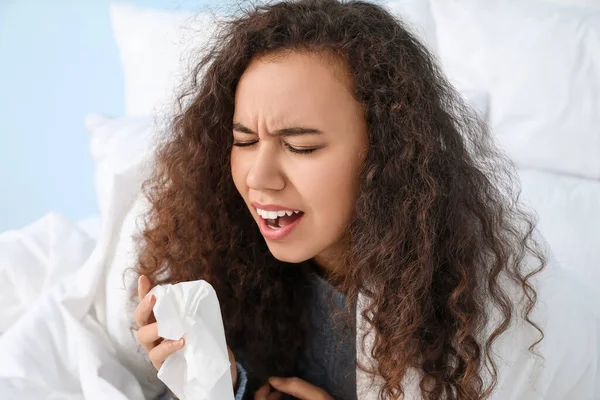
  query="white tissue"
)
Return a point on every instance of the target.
[{"x": 201, "y": 370}]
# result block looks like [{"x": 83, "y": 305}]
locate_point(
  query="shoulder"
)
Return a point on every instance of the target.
[{"x": 567, "y": 365}]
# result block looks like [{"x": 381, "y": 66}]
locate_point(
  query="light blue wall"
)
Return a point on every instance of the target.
[{"x": 58, "y": 62}]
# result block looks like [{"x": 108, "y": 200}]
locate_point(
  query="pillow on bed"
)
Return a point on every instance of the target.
[
  {"x": 416, "y": 14},
  {"x": 590, "y": 4},
  {"x": 540, "y": 62},
  {"x": 569, "y": 217},
  {"x": 158, "y": 48},
  {"x": 116, "y": 144}
]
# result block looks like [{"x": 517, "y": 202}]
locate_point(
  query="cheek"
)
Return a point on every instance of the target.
[
  {"x": 238, "y": 172},
  {"x": 331, "y": 191}
]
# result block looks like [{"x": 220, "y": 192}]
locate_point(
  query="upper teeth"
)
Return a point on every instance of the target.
[{"x": 274, "y": 214}]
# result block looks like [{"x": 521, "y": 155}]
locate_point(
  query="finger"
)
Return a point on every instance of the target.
[
  {"x": 298, "y": 388},
  {"x": 143, "y": 312},
  {"x": 148, "y": 335},
  {"x": 263, "y": 392},
  {"x": 143, "y": 286},
  {"x": 159, "y": 354},
  {"x": 274, "y": 396}
]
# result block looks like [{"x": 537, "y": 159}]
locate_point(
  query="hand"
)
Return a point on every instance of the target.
[
  {"x": 297, "y": 387},
  {"x": 157, "y": 348}
]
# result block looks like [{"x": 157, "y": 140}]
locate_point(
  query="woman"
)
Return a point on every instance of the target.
[{"x": 323, "y": 164}]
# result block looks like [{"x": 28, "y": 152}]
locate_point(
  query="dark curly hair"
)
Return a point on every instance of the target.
[{"x": 437, "y": 222}]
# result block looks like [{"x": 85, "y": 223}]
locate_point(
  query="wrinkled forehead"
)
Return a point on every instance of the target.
[{"x": 295, "y": 86}]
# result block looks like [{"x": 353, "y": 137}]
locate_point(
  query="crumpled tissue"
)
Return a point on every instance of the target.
[{"x": 201, "y": 370}]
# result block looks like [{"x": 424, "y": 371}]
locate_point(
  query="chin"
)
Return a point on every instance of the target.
[{"x": 283, "y": 253}]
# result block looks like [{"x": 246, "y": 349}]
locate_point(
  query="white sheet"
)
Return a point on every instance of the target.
[
  {"x": 91, "y": 225},
  {"x": 34, "y": 258},
  {"x": 63, "y": 346}
]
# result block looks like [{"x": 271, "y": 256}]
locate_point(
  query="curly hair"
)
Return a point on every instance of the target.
[{"x": 437, "y": 221}]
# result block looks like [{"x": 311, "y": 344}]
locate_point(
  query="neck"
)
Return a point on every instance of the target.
[{"x": 329, "y": 267}]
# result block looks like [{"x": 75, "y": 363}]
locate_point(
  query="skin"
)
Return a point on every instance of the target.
[
  {"x": 157, "y": 348},
  {"x": 310, "y": 91},
  {"x": 292, "y": 90}
]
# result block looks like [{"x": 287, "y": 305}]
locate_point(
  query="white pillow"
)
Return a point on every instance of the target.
[
  {"x": 416, "y": 14},
  {"x": 157, "y": 50},
  {"x": 116, "y": 145},
  {"x": 592, "y": 4},
  {"x": 569, "y": 218},
  {"x": 540, "y": 63},
  {"x": 478, "y": 100}
]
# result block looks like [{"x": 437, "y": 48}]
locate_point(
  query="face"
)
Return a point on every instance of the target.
[{"x": 300, "y": 139}]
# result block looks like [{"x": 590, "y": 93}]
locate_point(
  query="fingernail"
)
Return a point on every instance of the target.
[
  {"x": 178, "y": 342},
  {"x": 150, "y": 298},
  {"x": 275, "y": 381}
]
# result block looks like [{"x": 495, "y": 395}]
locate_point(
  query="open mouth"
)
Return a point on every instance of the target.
[{"x": 279, "y": 219}]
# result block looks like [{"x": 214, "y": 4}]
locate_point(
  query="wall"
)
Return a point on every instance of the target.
[{"x": 58, "y": 62}]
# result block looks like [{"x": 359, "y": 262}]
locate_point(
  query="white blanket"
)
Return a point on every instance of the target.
[
  {"x": 74, "y": 343},
  {"x": 35, "y": 258}
]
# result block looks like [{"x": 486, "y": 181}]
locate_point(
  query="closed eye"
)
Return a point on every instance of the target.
[
  {"x": 299, "y": 150},
  {"x": 244, "y": 144},
  {"x": 296, "y": 150}
]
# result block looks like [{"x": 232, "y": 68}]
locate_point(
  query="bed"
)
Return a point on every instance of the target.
[{"x": 531, "y": 68}]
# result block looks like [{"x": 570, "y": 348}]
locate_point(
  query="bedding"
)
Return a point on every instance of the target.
[
  {"x": 65, "y": 309},
  {"x": 34, "y": 258},
  {"x": 75, "y": 341},
  {"x": 116, "y": 144},
  {"x": 569, "y": 218},
  {"x": 90, "y": 225},
  {"x": 157, "y": 48},
  {"x": 540, "y": 63}
]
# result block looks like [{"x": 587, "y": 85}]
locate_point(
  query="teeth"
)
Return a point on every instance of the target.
[{"x": 274, "y": 214}]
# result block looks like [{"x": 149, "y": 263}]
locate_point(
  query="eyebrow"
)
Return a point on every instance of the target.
[{"x": 294, "y": 131}]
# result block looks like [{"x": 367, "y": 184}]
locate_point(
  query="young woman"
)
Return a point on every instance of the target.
[{"x": 360, "y": 230}]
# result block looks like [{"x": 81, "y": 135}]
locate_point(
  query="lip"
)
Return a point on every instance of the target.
[
  {"x": 276, "y": 234},
  {"x": 272, "y": 207}
]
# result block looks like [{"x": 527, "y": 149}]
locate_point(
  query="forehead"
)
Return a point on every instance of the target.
[{"x": 295, "y": 85}]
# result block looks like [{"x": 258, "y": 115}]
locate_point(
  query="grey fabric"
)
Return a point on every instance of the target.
[{"x": 328, "y": 361}]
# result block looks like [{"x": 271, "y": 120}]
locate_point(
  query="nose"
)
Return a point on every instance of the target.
[{"x": 265, "y": 172}]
